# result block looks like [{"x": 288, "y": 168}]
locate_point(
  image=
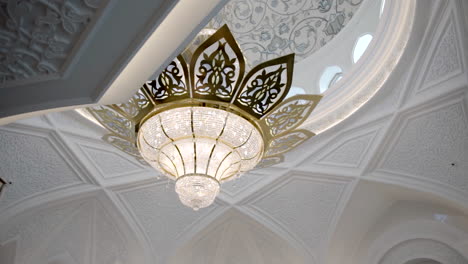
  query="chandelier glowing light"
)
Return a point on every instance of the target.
[{"x": 203, "y": 123}]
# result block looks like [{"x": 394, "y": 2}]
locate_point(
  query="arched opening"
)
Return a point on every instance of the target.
[
  {"x": 294, "y": 90},
  {"x": 361, "y": 46},
  {"x": 330, "y": 76}
]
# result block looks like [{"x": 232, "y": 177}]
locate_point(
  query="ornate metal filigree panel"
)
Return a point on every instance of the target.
[
  {"x": 217, "y": 67},
  {"x": 266, "y": 85},
  {"x": 171, "y": 83}
]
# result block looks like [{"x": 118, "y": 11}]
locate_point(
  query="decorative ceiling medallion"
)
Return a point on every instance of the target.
[{"x": 204, "y": 121}]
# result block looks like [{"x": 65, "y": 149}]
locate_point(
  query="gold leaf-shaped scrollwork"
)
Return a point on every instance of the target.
[
  {"x": 287, "y": 142},
  {"x": 291, "y": 113},
  {"x": 269, "y": 161},
  {"x": 114, "y": 121},
  {"x": 217, "y": 67},
  {"x": 171, "y": 84},
  {"x": 266, "y": 85},
  {"x": 122, "y": 144}
]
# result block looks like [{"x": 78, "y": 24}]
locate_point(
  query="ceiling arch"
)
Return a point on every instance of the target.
[{"x": 414, "y": 250}]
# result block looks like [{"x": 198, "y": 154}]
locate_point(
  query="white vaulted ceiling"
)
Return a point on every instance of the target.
[{"x": 389, "y": 184}]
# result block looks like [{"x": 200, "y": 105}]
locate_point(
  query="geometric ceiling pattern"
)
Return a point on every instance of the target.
[
  {"x": 67, "y": 233},
  {"x": 76, "y": 200}
]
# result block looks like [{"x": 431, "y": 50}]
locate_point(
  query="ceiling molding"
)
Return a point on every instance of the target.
[
  {"x": 275, "y": 218},
  {"x": 70, "y": 123},
  {"x": 425, "y": 44},
  {"x": 238, "y": 238},
  {"x": 49, "y": 221},
  {"x": 433, "y": 109},
  {"x": 250, "y": 185},
  {"x": 74, "y": 226},
  {"x": 36, "y": 122},
  {"x": 342, "y": 154},
  {"x": 153, "y": 208},
  {"x": 135, "y": 248},
  {"x": 38, "y": 227},
  {"x": 445, "y": 60},
  {"x": 47, "y": 152},
  {"x": 422, "y": 248},
  {"x": 354, "y": 144},
  {"x": 422, "y": 184},
  {"x": 329, "y": 142},
  {"x": 199, "y": 226},
  {"x": 339, "y": 211},
  {"x": 376, "y": 65},
  {"x": 236, "y": 189},
  {"x": 34, "y": 204},
  {"x": 442, "y": 237},
  {"x": 109, "y": 166},
  {"x": 126, "y": 218}
]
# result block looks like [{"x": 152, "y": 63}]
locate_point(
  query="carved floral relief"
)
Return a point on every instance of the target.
[
  {"x": 270, "y": 29},
  {"x": 38, "y": 36}
]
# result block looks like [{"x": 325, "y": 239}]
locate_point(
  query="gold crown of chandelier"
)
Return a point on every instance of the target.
[{"x": 204, "y": 121}]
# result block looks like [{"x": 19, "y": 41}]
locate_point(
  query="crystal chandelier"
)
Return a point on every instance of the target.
[{"x": 203, "y": 121}]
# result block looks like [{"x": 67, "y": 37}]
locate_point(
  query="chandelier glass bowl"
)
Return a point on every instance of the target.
[
  {"x": 198, "y": 147},
  {"x": 205, "y": 121}
]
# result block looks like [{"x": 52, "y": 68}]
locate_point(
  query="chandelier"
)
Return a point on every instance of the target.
[{"x": 203, "y": 121}]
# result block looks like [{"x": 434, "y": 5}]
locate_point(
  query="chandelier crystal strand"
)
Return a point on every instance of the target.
[{"x": 199, "y": 147}]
